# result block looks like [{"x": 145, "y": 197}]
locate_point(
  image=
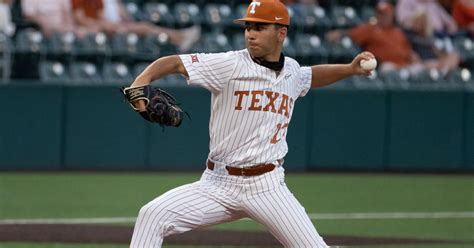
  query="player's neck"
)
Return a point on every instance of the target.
[
  {"x": 275, "y": 56},
  {"x": 276, "y": 65}
]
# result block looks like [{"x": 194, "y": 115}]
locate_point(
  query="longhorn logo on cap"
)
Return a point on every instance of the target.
[{"x": 253, "y": 5}]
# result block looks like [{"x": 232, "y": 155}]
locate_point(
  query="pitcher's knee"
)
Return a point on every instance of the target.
[
  {"x": 151, "y": 227},
  {"x": 148, "y": 213},
  {"x": 157, "y": 217}
]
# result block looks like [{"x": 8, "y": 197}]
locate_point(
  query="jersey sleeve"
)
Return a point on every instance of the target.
[
  {"x": 305, "y": 80},
  {"x": 209, "y": 70}
]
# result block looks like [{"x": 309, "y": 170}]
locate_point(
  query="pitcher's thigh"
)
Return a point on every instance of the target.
[
  {"x": 178, "y": 210},
  {"x": 285, "y": 218}
]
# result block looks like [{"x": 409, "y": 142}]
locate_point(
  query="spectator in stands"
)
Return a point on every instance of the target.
[
  {"x": 384, "y": 39},
  {"x": 52, "y": 16},
  {"x": 423, "y": 42},
  {"x": 441, "y": 22},
  {"x": 6, "y": 24},
  {"x": 302, "y": 2},
  {"x": 446, "y": 4},
  {"x": 111, "y": 17},
  {"x": 463, "y": 13}
]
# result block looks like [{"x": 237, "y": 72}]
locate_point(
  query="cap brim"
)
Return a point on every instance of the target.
[{"x": 250, "y": 19}]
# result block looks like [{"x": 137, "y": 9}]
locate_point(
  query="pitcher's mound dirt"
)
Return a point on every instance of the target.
[{"x": 60, "y": 233}]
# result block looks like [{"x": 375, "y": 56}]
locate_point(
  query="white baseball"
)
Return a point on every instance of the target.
[{"x": 368, "y": 65}]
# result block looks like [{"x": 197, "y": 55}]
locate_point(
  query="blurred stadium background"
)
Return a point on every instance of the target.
[
  {"x": 388, "y": 122},
  {"x": 61, "y": 110}
]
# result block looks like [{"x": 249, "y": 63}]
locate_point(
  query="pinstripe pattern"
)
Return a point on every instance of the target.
[
  {"x": 219, "y": 198},
  {"x": 242, "y": 138},
  {"x": 251, "y": 108},
  {"x": 182, "y": 209},
  {"x": 278, "y": 210}
]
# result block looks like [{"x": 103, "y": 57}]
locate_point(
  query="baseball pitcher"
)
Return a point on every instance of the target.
[{"x": 254, "y": 92}]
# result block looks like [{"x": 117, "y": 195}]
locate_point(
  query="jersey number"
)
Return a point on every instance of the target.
[{"x": 280, "y": 127}]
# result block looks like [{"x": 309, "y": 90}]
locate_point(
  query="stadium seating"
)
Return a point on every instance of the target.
[
  {"x": 62, "y": 43},
  {"x": 173, "y": 80},
  {"x": 85, "y": 72},
  {"x": 311, "y": 19},
  {"x": 358, "y": 4},
  {"x": 93, "y": 44},
  {"x": 5, "y": 57},
  {"x": 289, "y": 48},
  {"x": 396, "y": 79},
  {"x": 30, "y": 41},
  {"x": 187, "y": 14},
  {"x": 427, "y": 77},
  {"x": 158, "y": 13},
  {"x": 117, "y": 73},
  {"x": 218, "y": 15},
  {"x": 214, "y": 42},
  {"x": 311, "y": 49},
  {"x": 125, "y": 45},
  {"x": 240, "y": 11},
  {"x": 134, "y": 10},
  {"x": 118, "y": 57},
  {"x": 371, "y": 82},
  {"x": 343, "y": 51},
  {"x": 238, "y": 41},
  {"x": 461, "y": 76},
  {"x": 62, "y": 47},
  {"x": 167, "y": 81},
  {"x": 138, "y": 68},
  {"x": 465, "y": 47},
  {"x": 153, "y": 46},
  {"x": 30, "y": 47},
  {"x": 53, "y": 72},
  {"x": 367, "y": 13},
  {"x": 344, "y": 17}
]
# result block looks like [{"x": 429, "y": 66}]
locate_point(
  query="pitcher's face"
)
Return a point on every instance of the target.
[{"x": 263, "y": 39}]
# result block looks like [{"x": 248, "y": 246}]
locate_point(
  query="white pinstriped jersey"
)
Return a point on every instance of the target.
[{"x": 251, "y": 106}]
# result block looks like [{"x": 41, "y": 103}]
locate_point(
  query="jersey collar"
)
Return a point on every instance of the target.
[{"x": 276, "y": 66}]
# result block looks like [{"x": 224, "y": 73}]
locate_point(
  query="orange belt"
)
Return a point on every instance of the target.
[{"x": 255, "y": 170}]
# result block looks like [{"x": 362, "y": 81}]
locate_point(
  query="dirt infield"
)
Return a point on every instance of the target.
[{"x": 61, "y": 233}]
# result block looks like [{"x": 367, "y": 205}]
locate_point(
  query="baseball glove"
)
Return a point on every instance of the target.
[{"x": 161, "y": 107}]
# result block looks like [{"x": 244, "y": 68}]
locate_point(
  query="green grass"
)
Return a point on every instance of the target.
[
  {"x": 444, "y": 229},
  {"x": 383, "y": 193},
  {"x": 83, "y": 195},
  {"x": 90, "y": 195}
]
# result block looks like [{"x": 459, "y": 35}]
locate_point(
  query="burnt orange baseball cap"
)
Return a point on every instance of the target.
[{"x": 266, "y": 11}]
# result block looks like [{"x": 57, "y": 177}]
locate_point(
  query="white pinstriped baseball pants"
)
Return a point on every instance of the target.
[{"x": 218, "y": 198}]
